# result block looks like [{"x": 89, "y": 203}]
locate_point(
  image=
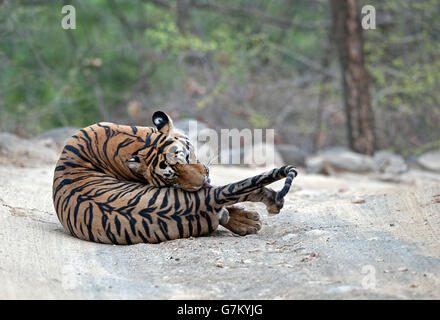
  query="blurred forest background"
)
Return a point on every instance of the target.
[{"x": 231, "y": 64}]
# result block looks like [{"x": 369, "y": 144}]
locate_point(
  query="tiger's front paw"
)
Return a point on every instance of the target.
[{"x": 241, "y": 221}]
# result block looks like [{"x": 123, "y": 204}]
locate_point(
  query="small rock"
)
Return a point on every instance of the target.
[
  {"x": 289, "y": 236},
  {"x": 316, "y": 233},
  {"x": 59, "y": 136},
  {"x": 340, "y": 159},
  {"x": 341, "y": 289},
  {"x": 310, "y": 257},
  {"x": 314, "y": 165},
  {"x": 310, "y": 193},
  {"x": 21, "y": 152},
  {"x": 430, "y": 161},
  {"x": 402, "y": 269},
  {"x": 390, "y": 164},
  {"x": 292, "y": 154},
  {"x": 387, "y": 177}
]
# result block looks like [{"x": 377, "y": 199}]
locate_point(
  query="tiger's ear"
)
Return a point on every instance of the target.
[
  {"x": 133, "y": 163},
  {"x": 162, "y": 121}
]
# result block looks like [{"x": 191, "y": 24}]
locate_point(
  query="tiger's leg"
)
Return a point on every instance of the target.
[
  {"x": 267, "y": 196},
  {"x": 222, "y": 200},
  {"x": 240, "y": 221},
  {"x": 252, "y": 189}
]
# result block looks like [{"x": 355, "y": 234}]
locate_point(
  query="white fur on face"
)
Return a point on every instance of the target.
[{"x": 168, "y": 172}]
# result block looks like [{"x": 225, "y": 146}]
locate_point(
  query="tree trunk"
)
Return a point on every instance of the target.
[
  {"x": 355, "y": 80},
  {"x": 182, "y": 15}
]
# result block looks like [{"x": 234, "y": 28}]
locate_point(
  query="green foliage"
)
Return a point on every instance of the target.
[
  {"x": 258, "y": 120},
  {"x": 135, "y": 50},
  {"x": 166, "y": 37},
  {"x": 53, "y": 77},
  {"x": 406, "y": 70}
]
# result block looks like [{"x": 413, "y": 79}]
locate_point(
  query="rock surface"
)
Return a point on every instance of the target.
[
  {"x": 390, "y": 165},
  {"x": 291, "y": 154},
  {"x": 57, "y": 137},
  {"x": 388, "y": 162},
  {"x": 340, "y": 159},
  {"x": 15, "y": 151},
  {"x": 430, "y": 161}
]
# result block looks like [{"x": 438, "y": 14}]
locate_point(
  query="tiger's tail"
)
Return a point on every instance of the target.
[
  {"x": 292, "y": 173},
  {"x": 238, "y": 191}
]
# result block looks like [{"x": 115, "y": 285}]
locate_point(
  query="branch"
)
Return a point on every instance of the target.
[
  {"x": 250, "y": 13},
  {"x": 160, "y": 3}
]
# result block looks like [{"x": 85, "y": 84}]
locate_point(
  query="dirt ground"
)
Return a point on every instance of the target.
[{"x": 340, "y": 237}]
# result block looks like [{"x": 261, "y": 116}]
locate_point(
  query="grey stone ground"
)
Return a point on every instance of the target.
[{"x": 341, "y": 237}]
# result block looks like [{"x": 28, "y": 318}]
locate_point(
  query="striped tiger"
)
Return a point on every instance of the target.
[{"x": 120, "y": 184}]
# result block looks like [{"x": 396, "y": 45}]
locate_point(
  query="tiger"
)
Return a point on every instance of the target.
[{"x": 119, "y": 184}]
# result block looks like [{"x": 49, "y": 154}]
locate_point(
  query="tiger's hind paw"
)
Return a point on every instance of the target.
[
  {"x": 241, "y": 221},
  {"x": 269, "y": 199}
]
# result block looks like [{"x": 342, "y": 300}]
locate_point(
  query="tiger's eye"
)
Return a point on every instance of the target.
[{"x": 162, "y": 165}]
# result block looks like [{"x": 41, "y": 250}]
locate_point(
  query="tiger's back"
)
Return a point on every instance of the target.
[
  {"x": 103, "y": 147},
  {"x": 97, "y": 197}
]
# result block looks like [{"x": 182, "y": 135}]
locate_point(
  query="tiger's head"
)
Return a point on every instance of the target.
[{"x": 169, "y": 158}]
